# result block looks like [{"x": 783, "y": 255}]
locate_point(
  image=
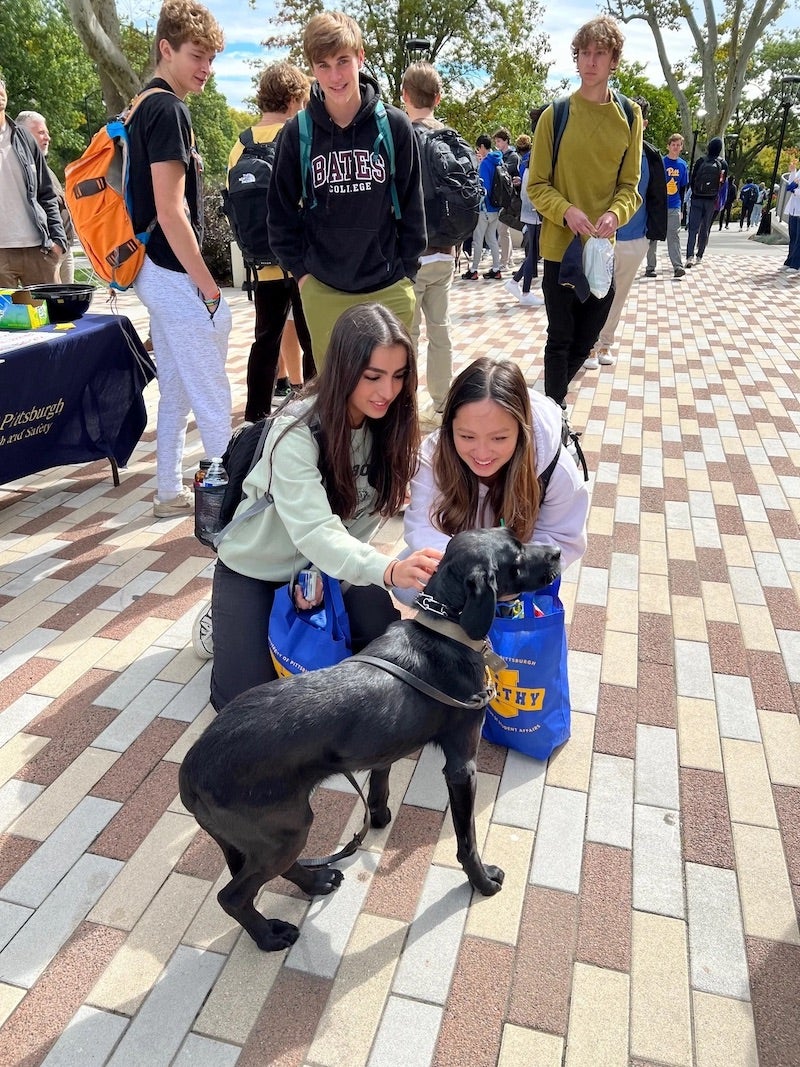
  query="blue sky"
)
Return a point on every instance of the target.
[{"x": 246, "y": 27}]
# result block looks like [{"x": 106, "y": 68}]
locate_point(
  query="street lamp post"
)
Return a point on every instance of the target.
[
  {"x": 699, "y": 116},
  {"x": 790, "y": 94},
  {"x": 417, "y": 48}
]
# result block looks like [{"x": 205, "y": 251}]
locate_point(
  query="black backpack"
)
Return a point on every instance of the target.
[
  {"x": 245, "y": 449},
  {"x": 244, "y": 201},
  {"x": 450, "y": 185},
  {"x": 502, "y": 191},
  {"x": 707, "y": 178}
]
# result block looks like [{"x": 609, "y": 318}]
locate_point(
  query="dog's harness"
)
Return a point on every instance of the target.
[{"x": 444, "y": 623}]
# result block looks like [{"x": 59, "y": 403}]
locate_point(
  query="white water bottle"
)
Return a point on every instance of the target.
[{"x": 208, "y": 502}]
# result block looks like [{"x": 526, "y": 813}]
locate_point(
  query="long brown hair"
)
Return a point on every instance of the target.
[
  {"x": 395, "y": 437},
  {"x": 514, "y": 495}
]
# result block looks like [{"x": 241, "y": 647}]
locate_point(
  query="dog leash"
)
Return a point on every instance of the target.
[
  {"x": 475, "y": 703},
  {"x": 315, "y": 862}
]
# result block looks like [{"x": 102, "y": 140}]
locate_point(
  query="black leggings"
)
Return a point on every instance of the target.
[
  {"x": 240, "y": 610},
  {"x": 272, "y": 302}
]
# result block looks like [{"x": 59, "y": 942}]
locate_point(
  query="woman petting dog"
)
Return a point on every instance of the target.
[
  {"x": 498, "y": 443},
  {"x": 336, "y": 462}
]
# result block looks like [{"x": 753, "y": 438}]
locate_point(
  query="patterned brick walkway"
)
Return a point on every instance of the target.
[{"x": 650, "y": 909}]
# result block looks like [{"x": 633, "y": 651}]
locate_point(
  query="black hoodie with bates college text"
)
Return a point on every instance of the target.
[{"x": 346, "y": 235}]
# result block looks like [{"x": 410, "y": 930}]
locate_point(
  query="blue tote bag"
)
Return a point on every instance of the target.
[
  {"x": 531, "y": 712},
  {"x": 302, "y": 641}
]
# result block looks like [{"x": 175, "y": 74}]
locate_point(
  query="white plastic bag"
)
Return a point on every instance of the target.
[{"x": 598, "y": 265}]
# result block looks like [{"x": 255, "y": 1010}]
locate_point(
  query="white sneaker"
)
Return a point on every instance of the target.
[
  {"x": 604, "y": 357},
  {"x": 177, "y": 505},
  {"x": 530, "y": 300},
  {"x": 513, "y": 287},
  {"x": 591, "y": 362},
  {"x": 203, "y": 634}
]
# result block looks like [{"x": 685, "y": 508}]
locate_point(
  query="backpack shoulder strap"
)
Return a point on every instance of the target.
[
  {"x": 547, "y": 474},
  {"x": 127, "y": 115},
  {"x": 304, "y": 130},
  {"x": 624, "y": 104},
  {"x": 246, "y": 137},
  {"x": 385, "y": 137},
  {"x": 560, "y": 116}
]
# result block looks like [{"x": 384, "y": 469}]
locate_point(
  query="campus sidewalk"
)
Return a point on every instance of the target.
[{"x": 649, "y": 914}]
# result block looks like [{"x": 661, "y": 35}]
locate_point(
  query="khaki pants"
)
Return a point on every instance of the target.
[
  {"x": 27, "y": 266},
  {"x": 322, "y": 306},
  {"x": 628, "y": 255},
  {"x": 505, "y": 240},
  {"x": 432, "y": 290}
]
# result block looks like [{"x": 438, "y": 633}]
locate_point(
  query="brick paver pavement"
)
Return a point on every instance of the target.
[{"x": 650, "y": 909}]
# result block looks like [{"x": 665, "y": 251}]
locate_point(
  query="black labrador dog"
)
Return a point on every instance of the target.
[{"x": 248, "y": 778}]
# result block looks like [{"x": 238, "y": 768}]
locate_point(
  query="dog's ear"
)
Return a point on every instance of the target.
[{"x": 477, "y": 616}]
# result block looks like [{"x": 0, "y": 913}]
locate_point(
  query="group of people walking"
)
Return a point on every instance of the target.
[{"x": 354, "y": 272}]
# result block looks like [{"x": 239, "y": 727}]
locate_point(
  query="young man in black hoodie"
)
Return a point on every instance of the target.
[
  {"x": 337, "y": 228},
  {"x": 701, "y": 212}
]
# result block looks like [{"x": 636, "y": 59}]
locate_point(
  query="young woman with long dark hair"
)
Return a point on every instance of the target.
[{"x": 336, "y": 462}]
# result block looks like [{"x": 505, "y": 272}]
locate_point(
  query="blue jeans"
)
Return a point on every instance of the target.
[
  {"x": 793, "y": 258},
  {"x": 700, "y": 215}
]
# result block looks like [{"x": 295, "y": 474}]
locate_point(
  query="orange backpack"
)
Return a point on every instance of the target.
[{"x": 96, "y": 189}]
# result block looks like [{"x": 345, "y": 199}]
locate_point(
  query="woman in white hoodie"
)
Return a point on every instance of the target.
[{"x": 498, "y": 460}]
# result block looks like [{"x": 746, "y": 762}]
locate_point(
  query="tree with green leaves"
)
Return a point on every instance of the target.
[
  {"x": 488, "y": 52},
  {"x": 725, "y": 35},
  {"x": 47, "y": 70},
  {"x": 663, "y": 117},
  {"x": 759, "y": 116}
]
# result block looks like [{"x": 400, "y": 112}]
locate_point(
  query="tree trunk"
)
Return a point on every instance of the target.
[{"x": 97, "y": 26}]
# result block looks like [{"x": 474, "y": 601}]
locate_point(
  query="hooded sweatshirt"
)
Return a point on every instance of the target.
[
  {"x": 562, "y": 517},
  {"x": 348, "y": 239},
  {"x": 488, "y": 166}
]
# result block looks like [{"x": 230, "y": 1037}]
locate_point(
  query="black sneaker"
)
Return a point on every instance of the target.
[
  {"x": 679, "y": 272},
  {"x": 493, "y": 275},
  {"x": 650, "y": 273},
  {"x": 282, "y": 387},
  {"x": 469, "y": 276}
]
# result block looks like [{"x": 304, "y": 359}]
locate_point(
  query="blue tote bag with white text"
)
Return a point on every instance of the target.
[{"x": 531, "y": 712}]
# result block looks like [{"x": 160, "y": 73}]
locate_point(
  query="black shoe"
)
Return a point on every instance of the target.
[
  {"x": 679, "y": 272},
  {"x": 493, "y": 275},
  {"x": 650, "y": 273},
  {"x": 282, "y": 387},
  {"x": 470, "y": 276}
]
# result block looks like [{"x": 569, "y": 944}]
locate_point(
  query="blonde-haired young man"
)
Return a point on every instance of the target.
[
  {"x": 335, "y": 228},
  {"x": 189, "y": 320}
]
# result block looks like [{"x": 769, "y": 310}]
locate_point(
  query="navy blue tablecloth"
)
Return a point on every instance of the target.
[{"x": 74, "y": 397}]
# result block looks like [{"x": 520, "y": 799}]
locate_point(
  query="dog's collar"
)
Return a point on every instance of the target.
[
  {"x": 426, "y": 602},
  {"x": 453, "y": 630}
]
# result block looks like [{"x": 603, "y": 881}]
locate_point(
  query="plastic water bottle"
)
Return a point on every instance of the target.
[{"x": 208, "y": 496}]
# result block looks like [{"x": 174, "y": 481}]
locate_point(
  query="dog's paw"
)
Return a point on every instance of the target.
[
  {"x": 276, "y": 935},
  {"x": 492, "y": 881},
  {"x": 326, "y": 879},
  {"x": 380, "y": 817}
]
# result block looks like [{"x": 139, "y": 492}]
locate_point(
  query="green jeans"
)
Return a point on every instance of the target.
[{"x": 322, "y": 306}]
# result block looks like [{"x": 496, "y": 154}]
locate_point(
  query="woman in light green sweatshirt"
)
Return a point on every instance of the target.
[{"x": 335, "y": 462}]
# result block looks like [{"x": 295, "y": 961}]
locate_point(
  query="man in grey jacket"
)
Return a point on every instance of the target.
[{"x": 32, "y": 238}]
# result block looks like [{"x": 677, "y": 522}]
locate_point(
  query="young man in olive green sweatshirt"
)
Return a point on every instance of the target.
[{"x": 591, "y": 191}]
